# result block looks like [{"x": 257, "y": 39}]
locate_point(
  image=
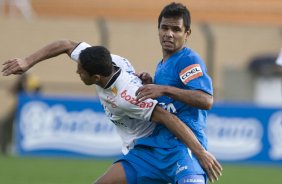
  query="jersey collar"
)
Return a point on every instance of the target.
[{"x": 114, "y": 77}]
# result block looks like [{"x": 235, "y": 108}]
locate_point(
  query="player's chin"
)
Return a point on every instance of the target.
[
  {"x": 88, "y": 83},
  {"x": 168, "y": 49}
]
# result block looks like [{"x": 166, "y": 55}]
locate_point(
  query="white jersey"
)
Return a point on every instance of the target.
[{"x": 131, "y": 118}]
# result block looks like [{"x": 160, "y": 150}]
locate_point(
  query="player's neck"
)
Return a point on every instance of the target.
[
  {"x": 166, "y": 55},
  {"x": 112, "y": 78}
]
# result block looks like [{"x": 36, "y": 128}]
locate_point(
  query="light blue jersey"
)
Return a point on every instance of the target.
[{"x": 185, "y": 70}]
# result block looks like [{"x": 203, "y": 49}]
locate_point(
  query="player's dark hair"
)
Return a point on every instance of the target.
[
  {"x": 96, "y": 60},
  {"x": 176, "y": 10}
]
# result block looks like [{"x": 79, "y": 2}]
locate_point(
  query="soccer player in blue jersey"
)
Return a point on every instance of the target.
[{"x": 181, "y": 82}]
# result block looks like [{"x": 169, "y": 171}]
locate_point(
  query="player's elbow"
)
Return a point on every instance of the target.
[
  {"x": 66, "y": 45},
  {"x": 208, "y": 103},
  {"x": 159, "y": 115}
]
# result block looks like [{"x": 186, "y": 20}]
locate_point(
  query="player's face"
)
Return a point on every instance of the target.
[
  {"x": 84, "y": 76},
  {"x": 172, "y": 35}
]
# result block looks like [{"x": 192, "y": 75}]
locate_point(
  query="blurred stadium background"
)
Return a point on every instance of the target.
[{"x": 239, "y": 40}]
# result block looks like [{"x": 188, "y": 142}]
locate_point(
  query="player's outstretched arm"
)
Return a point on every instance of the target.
[
  {"x": 185, "y": 134},
  {"x": 19, "y": 66}
]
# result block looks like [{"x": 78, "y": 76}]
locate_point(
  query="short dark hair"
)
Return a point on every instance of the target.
[
  {"x": 176, "y": 10},
  {"x": 96, "y": 60}
]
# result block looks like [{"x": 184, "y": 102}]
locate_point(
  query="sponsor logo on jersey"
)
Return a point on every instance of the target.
[
  {"x": 168, "y": 107},
  {"x": 133, "y": 101},
  {"x": 118, "y": 123},
  {"x": 190, "y": 72},
  {"x": 111, "y": 101}
]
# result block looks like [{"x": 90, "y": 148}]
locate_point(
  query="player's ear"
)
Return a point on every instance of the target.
[
  {"x": 189, "y": 31},
  {"x": 96, "y": 78}
]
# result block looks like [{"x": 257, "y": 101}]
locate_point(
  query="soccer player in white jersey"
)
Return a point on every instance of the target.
[{"x": 148, "y": 157}]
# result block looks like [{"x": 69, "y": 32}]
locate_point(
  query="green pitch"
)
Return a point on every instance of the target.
[
  {"x": 23, "y": 170},
  {"x": 27, "y": 170}
]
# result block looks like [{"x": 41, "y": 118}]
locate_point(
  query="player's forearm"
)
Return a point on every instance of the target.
[
  {"x": 185, "y": 134},
  {"x": 179, "y": 129},
  {"x": 195, "y": 98},
  {"x": 50, "y": 50}
]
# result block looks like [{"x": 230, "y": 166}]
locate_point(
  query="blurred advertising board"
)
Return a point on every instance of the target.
[
  {"x": 245, "y": 133},
  {"x": 67, "y": 126},
  {"x": 77, "y": 126}
]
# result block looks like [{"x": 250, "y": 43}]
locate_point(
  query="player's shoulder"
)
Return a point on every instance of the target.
[
  {"x": 117, "y": 58},
  {"x": 128, "y": 81},
  {"x": 190, "y": 56},
  {"x": 123, "y": 63},
  {"x": 127, "y": 86}
]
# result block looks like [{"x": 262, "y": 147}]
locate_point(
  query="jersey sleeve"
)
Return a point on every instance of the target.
[
  {"x": 193, "y": 74},
  {"x": 77, "y": 50},
  {"x": 134, "y": 109},
  {"x": 123, "y": 63}
]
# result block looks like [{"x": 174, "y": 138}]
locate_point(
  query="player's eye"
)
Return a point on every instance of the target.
[
  {"x": 176, "y": 29},
  {"x": 164, "y": 27}
]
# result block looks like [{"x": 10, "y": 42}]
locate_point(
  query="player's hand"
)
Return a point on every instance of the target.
[
  {"x": 148, "y": 91},
  {"x": 14, "y": 66},
  {"x": 210, "y": 165},
  {"x": 145, "y": 77}
]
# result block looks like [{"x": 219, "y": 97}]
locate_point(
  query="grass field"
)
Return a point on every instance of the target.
[{"x": 27, "y": 170}]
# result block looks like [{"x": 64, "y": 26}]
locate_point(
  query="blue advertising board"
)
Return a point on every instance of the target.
[
  {"x": 245, "y": 133},
  {"x": 48, "y": 125},
  {"x": 65, "y": 126}
]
